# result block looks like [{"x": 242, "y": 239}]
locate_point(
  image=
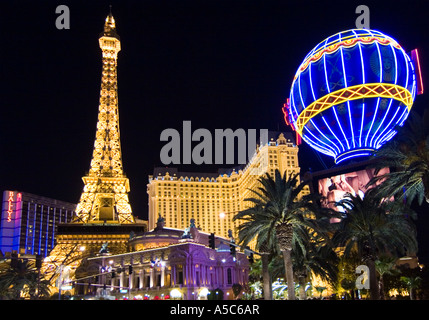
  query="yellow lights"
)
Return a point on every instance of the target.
[
  {"x": 104, "y": 200},
  {"x": 211, "y": 200},
  {"x": 105, "y": 196},
  {"x": 110, "y": 21},
  {"x": 367, "y": 90}
]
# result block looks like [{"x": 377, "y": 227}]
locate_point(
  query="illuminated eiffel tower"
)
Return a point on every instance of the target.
[
  {"x": 103, "y": 220},
  {"x": 105, "y": 195}
]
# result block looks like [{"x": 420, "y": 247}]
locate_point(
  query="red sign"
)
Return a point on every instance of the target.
[
  {"x": 10, "y": 207},
  {"x": 10, "y": 204}
]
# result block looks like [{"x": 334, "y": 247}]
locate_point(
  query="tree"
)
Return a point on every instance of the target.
[
  {"x": 319, "y": 260},
  {"x": 254, "y": 222},
  {"x": 412, "y": 283},
  {"x": 237, "y": 289},
  {"x": 216, "y": 294},
  {"x": 346, "y": 275},
  {"x": 373, "y": 226},
  {"x": 384, "y": 265},
  {"x": 407, "y": 155},
  {"x": 22, "y": 280},
  {"x": 276, "y": 218}
]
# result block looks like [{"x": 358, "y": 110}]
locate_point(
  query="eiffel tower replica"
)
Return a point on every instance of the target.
[{"x": 103, "y": 221}]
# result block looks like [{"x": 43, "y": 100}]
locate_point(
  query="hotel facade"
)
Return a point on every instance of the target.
[
  {"x": 212, "y": 199},
  {"x": 29, "y": 222},
  {"x": 168, "y": 263}
]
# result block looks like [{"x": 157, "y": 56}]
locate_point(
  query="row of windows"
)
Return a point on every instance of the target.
[
  {"x": 169, "y": 186},
  {"x": 38, "y": 226},
  {"x": 196, "y": 206},
  {"x": 167, "y": 189}
]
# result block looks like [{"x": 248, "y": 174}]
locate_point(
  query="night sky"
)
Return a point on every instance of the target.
[{"x": 220, "y": 64}]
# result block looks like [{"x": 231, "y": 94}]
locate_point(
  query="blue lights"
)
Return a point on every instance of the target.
[{"x": 350, "y": 92}]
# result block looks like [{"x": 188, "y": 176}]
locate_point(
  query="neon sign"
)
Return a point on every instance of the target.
[
  {"x": 416, "y": 60},
  {"x": 350, "y": 93},
  {"x": 10, "y": 204},
  {"x": 10, "y": 207}
]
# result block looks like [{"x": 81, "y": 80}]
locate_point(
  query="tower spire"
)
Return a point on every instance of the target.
[
  {"x": 110, "y": 26},
  {"x": 105, "y": 195}
]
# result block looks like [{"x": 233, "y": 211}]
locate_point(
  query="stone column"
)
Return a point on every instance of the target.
[
  {"x": 173, "y": 275},
  {"x": 141, "y": 276},
  {"x": 186, "y": 273},
  {"x": 121, "y": 278},
  {"x": 152, "y": 277},
  {"x": 130, "y": 281},
  {"x": 162, "y": 276}
]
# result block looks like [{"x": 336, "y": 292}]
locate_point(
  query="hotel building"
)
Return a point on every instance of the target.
[
  {"x": 212, "y": 199},
  {"x": 168, "y": 263},
  {"x": 28, "y": 222}
]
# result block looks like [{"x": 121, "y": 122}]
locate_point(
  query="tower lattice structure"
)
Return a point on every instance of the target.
[
  {"x": 103, "y": 215},
  {"x": 105, "y": 194}
]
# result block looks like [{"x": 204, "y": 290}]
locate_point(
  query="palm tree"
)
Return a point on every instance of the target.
[
  {"x": 254, "y": 222},
  {"x": 276, "y": 213},
  {"x": 22, "y": 279},
  {"x": 385, "y": 266},
  {"x": 320, "y": 260},
  {"x": 412, "y": 283},
  {"x": 372, "y": 227},
  {"x": 407, "y": 155},
  {"x": 346, "y": 274}
]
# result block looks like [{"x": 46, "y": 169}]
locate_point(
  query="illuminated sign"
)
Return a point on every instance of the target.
[
  {"x": 350, "y": 93},
  {"x": 416, "y": 60},
  {"x": 10, "y": 204},
  {"x": 10, "y": 207}
]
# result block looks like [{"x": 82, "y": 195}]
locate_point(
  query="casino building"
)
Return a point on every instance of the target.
[
  {"x": 28, "y": 222},
  {"x": 169, "y": 263},
  {"x": 212, "y": 199}
]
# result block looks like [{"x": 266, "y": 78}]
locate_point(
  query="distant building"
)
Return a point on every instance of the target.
[
  {"x": 28, "y": 222},
  {"x": 212, "y": 199}
]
